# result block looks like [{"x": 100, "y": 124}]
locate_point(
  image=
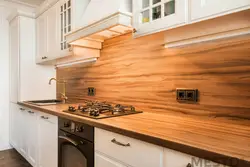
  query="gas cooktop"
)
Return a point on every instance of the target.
[{"x": 100, "y": 110}]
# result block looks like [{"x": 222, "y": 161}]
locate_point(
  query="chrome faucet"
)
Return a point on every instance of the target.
[{"x": 63, "y": 94}]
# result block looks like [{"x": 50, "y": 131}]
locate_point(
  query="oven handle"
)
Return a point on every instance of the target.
[{"x": 69, "y": 140}]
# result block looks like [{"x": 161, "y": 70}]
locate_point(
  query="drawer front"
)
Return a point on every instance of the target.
[
  {"x": 128, "y": 150},
  {"x": 177, "y": 159},
  {"x": 47, "y": 117}
]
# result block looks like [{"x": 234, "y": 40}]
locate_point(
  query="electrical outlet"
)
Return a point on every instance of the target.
[
  {"x": 91, "y": 91},
  {"x": 186, "y": 95}
]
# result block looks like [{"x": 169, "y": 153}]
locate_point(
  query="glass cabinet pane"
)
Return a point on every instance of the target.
[
  {"x": 145, "y": 3},
  {"x": 156, "y": 12},
  {"x": 156, "y": 1},
  {"x": 69, "y": 16},
  {"x": 69, "y": 3},
  {"x": 169, "y": 8},
  {"x": 145, "y": 16}
]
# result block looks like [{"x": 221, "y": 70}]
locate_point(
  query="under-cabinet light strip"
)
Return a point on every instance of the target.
[
  {"x": 76, "y": 62},
  {"x": 209, "y": 38}
]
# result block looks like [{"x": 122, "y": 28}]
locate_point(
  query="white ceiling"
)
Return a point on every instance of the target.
[{"x": 28, "y": 2}]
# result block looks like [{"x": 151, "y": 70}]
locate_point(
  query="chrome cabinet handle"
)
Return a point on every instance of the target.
[
  {"x": 119, "y": 143},
  {"x": 43, "y": 117},
  {"x": 31, "y": 112},
  {"x": 22, "y": 109},
  {"x": 44, "y": 57}
]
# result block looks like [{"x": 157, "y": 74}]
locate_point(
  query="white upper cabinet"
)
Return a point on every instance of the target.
[
  {"x": 65, "y": 25},
  {"x": 28, "y": 81},
  {"x": 14, "y": 59},
  {"x": 52, "y": 32},
  {"x": 41, "y": 36},
  {"x": 156, "y": 15},
  {"x": 206, "y": 9},
  {"x": 52, "y": 26}
]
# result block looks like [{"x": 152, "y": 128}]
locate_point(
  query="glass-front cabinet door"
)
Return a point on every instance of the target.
[
  {"x": 151, "y": 16},
  {"x": 65, "y": 23}
]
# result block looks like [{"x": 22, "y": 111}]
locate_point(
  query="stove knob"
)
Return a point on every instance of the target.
[
  {"x": 79, "y": 129},
  {"x": 71, "y": 108},
  {"x": 96, "y": 113}
]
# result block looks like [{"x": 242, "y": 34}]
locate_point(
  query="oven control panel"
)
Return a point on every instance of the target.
[{"x": 76, "y": 128}]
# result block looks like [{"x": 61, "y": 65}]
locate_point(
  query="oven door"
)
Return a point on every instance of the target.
[{"x": 74, "y": 151}]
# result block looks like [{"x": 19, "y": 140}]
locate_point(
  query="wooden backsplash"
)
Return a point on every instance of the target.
[{"x": 143, "y": 73}]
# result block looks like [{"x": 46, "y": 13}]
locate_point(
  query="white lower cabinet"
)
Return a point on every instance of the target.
[
  {"x": 31, "y": 136},
  {"x": 128, "y": 150},
  {"x": 47, "y": 140},
  {"x": 115, "y": 150},
  {"x": 177, "y": 159},
  {"x": 15, "y": 123},
  {"x": 23, "y": 132},
  {"x": 34, "y": 135},
  {"x": 103, "y": 161}
]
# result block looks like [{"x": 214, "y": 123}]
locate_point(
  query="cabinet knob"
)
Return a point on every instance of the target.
[
  {"x": 44, "y": 57},
  {"x": 22, "y": 109},
  {"x": 189, "y": 165}
]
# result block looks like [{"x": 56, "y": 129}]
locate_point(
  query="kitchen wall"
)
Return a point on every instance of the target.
[
  {"x": 143, "y": 73},
  {"x": 4, "y": 83}
]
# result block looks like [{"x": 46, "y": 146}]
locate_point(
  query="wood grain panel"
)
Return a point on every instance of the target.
[{"x": 143, "y": 73}]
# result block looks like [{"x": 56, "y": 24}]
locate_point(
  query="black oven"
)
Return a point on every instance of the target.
[{"x": 75, "y": 144}]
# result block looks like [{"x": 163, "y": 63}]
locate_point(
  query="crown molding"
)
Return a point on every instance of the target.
[
  {"x": 17, "y": 13},
  {"x": 23, "y": 3}
]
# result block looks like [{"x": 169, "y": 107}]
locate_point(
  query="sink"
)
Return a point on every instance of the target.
[{"x": 45, "y": 102}]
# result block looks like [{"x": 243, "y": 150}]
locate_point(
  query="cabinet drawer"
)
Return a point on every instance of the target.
[
  {"x": 128, "y": 150},
  {"x": 47, "y": 117},
  {"x": 177, "y": 159}
]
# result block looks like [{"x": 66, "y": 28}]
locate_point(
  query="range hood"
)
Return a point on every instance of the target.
[{"x": 103, "y": 19}]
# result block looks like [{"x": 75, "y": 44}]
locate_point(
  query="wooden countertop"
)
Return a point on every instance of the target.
[{"x": 217, "y": 141}]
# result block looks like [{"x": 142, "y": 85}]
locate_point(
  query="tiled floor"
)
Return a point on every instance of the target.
[{"x": 11, "y": 158}]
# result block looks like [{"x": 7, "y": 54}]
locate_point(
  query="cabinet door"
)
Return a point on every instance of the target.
[
  {"x": 14, "y": 60},
  {"x": 150, "y": 16},
  {"x": 52, "y": 32},
  {"x": 47, "y": 142},
  {"x": 23, "y": 131},
  {"x": 41, "y": 26},
  {"x": 205, "y": 9},
  {"x": 102, "y": 161},
  {"x": 15, "y": 126},
  {"x": 177, "y": 159},
  {"x": 65, "y": 24},
  {"x": 31, "y": 137}
]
